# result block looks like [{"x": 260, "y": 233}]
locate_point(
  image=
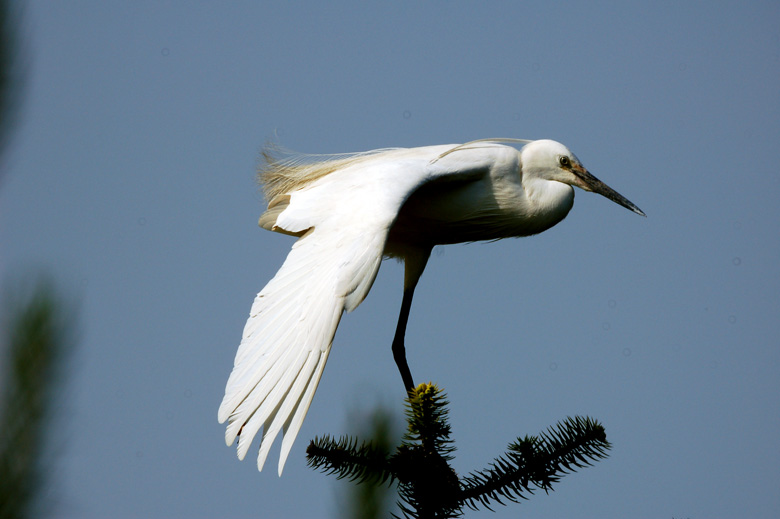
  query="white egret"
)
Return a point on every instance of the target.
[{"x": 351, "y": 211}]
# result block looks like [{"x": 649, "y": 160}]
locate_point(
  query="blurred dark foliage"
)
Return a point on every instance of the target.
[
  {"x": 37, "y": 339},
  {"x": 11, "y": 71},
  {"x": 371, "y": 499},
  {"x": 429, "y": 487}
]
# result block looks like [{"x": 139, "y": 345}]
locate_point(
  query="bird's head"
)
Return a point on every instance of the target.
[{"x": 553, "y": 161}]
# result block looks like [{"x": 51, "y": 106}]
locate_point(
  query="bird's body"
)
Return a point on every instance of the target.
[{"x": 349, "y": 213}]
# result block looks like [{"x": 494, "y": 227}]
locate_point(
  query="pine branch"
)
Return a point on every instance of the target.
[
  {"x": 429, "y": 426},
  {"x": 537, "y": 461},
  {"x": 428, "y": 486},
  {"x": 366, "y": 463}
]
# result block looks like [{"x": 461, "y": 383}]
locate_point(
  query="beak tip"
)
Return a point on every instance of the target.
[{"x": 588, "y": 182}]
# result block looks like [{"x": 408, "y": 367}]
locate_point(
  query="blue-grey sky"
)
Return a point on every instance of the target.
[{"x": 131, "y": 176}]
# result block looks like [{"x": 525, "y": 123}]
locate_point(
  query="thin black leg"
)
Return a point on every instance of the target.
[
  {"x": 415, "y": 260},
  {"x": 399, "y": 350}
]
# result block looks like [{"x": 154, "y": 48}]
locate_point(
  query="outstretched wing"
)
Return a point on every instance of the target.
[
  {"x": 287, "y": 339},
  {"x": 343, "y": 220}
]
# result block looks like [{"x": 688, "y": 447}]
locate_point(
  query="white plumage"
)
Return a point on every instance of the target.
[{"x": 349, "y": 212}]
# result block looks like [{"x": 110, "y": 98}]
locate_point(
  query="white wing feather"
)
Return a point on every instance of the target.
[{"x": 287, "y": 338}]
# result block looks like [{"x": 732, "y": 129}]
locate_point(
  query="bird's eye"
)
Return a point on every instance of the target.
[{"x": 564, "y": 161}]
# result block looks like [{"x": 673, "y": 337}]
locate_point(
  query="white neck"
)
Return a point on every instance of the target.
[{"x": 548, "y": 201}]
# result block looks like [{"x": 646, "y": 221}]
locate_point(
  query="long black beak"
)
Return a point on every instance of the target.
[{"x": 590, "y": 183}]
